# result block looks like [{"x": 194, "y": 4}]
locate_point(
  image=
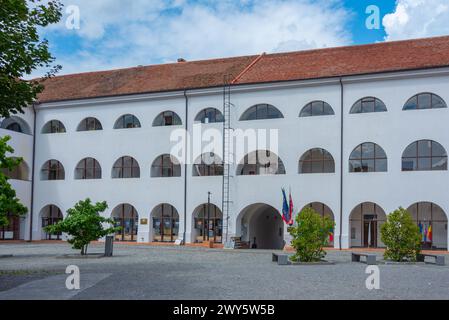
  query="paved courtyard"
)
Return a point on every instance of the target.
[{"x": 37, "y": 271}]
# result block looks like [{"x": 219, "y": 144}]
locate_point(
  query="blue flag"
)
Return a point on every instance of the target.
[{"x": 285, "y": 208}]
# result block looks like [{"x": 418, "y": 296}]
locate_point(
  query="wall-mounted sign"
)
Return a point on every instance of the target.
[{"x": 144, "y": 221}]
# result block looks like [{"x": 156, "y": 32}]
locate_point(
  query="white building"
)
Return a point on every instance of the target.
[{"x": 380, "y": 109}]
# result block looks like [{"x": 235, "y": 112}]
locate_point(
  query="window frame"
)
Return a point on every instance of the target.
[
  {"x": 52, "y": 174},
  {"x": 369, "y": 99},
  {"x": 257, "y": 107},
  {"x": 324, "y": 106},
  {"x": 121, "y": 168},
  {"x": 120, "y": 122},
  {"x": 323, "y": 160},
  {"x": 95, "y": 171},
  {"x": 51, "y": 125},
  {"x": 363, "y": 159},
  {"x": 432, "y": 97},
  {"x": 419, "y": 157}
]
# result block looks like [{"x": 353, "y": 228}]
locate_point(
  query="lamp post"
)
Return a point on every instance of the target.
[{"x": 208, "y": 214}]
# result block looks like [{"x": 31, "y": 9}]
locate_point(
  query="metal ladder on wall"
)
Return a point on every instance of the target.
[{"x": 227, "y": 153}]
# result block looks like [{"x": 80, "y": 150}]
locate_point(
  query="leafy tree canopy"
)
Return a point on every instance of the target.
[
  {"x": 310, "y": 235},
  {"x": 9, "y": 203},
  {"x": 22, "y": 51},
  {"x": 401, "y": 236}
]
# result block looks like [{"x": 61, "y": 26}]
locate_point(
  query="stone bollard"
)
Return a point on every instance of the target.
[{"x": 109, "y": 246}]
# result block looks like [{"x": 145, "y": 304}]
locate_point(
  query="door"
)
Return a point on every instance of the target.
[{"x": 370, "y": 232}]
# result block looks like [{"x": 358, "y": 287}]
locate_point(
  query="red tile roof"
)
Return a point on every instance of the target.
[{"x": 301, "y": 65}]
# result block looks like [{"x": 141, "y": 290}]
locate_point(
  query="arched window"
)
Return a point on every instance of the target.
[
  {"x": 126, "y": 168},
  {"x": 365, "y": 223},
  {"x": 52, "y": 170},
  {"x": 317, "y": 108},
  {"x": 165, "y": 220},
  {"x": 317, "y": 161},
  {"x": 20, "y": 172},
  {"x": 261, "y": 112},
  {"x": 126, "y": 217},
  {"x": 367, "y": 105},
  {"x": 53, "y": 126},
  {"x": 16, "y": 124},
  {"x": 208, "y": 164},
  {"x": 424, "y": 155},
  {"x": 208, "y": 223},
  {"x": 165, "y": 166},
  {"x": 166, "y": 119},
  {"x": 210, "y": 115},
  {"x": 368, "y": 157},
  {"x": 261, "y": 162},
  {"x": 432, "y": 223},
  {"x": 90, "y": 124},
  {"x": 51, "y": 215},
  {"x": 127, "y": 121},
  {"x": 425, "y": 101},
  {"x": 88, "y": 169}
]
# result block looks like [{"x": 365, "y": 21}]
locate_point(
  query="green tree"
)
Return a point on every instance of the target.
[
  {"x": 84, "y": 224},
  {"x": 22, "y": 50},
  {"x": 310, "y": 235},
  {"x": 401, "y": 236},
  {"x": 9, "y": 203}
]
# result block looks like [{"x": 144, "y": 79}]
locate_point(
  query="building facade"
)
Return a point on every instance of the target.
[{"x": 354, "y": 146}]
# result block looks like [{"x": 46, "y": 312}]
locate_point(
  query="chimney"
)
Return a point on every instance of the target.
[{"x": 180, "y": 60}]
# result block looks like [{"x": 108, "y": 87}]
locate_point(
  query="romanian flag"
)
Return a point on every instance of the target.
[
  {"x": 331, "y": 235},
  {"x": 429, "y": 234}
]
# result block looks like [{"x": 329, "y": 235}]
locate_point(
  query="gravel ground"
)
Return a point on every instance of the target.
[{"x": 146, "y": 272}]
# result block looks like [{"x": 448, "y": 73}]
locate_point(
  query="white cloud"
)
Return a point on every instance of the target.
[
  {"x": 119, "y": 33},
  {"x": 417, "y": 19}
]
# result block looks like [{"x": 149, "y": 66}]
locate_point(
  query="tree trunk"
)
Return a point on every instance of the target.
[{"x": 85, "y": 250}]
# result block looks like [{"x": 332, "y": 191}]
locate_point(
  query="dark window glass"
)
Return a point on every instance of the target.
[
  {"x": 368, "y": 157},
  {"x": 316, "y": 161},
  {"x": 127, "y": 121},
  {"x": 126, "y": 168},
  {"x": 87, "y": 169},
  {"x": 14, "y": 127},
  {"x": 208, "y": 165},
  {"x": 425, "y": 101},
  {"x": 165, "y": 166},
  {"x": 53, "y": 126},
  {"x": 317, "y": 108},
  {"x": 166, "y": 119},
  {"x": 52, "y": 170},
  {"x": 90, "y": 124},
  {"x": 261, "y": 162},
  {"x": 261, "y": 112},
  {"x": 368, "y": 105},
  {"x": 424, "y": 155}
]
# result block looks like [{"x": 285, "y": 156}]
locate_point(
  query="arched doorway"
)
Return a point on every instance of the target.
[
  {"x": 262, "y": 227},
  {"x": 365, "y": 222},
  {"x": 126, "y": 217},
  {"x": 324, "y": 211},
  {"x": 165, "y": 223},
  {"x": 50, "y": 215},
  {"x": 12, "y": 230},
  {"x": 432, "y": 222},
  {"x": 208, "y": 224}
]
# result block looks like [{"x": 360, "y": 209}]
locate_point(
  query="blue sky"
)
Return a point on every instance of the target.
[{"x": 123, "y": 33}]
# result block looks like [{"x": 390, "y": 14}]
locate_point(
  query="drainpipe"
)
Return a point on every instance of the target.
[
  {"x": 32, "y": 173},
  {"x": 341, "y": 157},
  {"x": 185, "y": 165}
]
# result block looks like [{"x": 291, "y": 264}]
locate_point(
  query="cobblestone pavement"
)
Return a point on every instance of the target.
[{"x": 37, "y": 271}]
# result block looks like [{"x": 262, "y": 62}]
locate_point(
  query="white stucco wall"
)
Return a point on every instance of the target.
[{"x": 393, "y": 131}]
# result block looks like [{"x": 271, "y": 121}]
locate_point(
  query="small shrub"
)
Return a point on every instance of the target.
[
  {"x": 310, "y": 235},
  {"x": 84, "y": 224},
  {"x": 401, "y": 236}
]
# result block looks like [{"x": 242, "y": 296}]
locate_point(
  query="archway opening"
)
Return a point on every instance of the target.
[
  {"x": 365, "y": 222},
  {"x": 126, "y": 217},
  {"x": 324, "y": 211},
  {"x": 12, "y": 230},
  {"x": 208, "y": 224},
  {"x": 51, "y": 215},
  {"x": 432, "y": 222},
  {"x": 165, "y": 220},
  {"x": 262, "y": 227}
]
